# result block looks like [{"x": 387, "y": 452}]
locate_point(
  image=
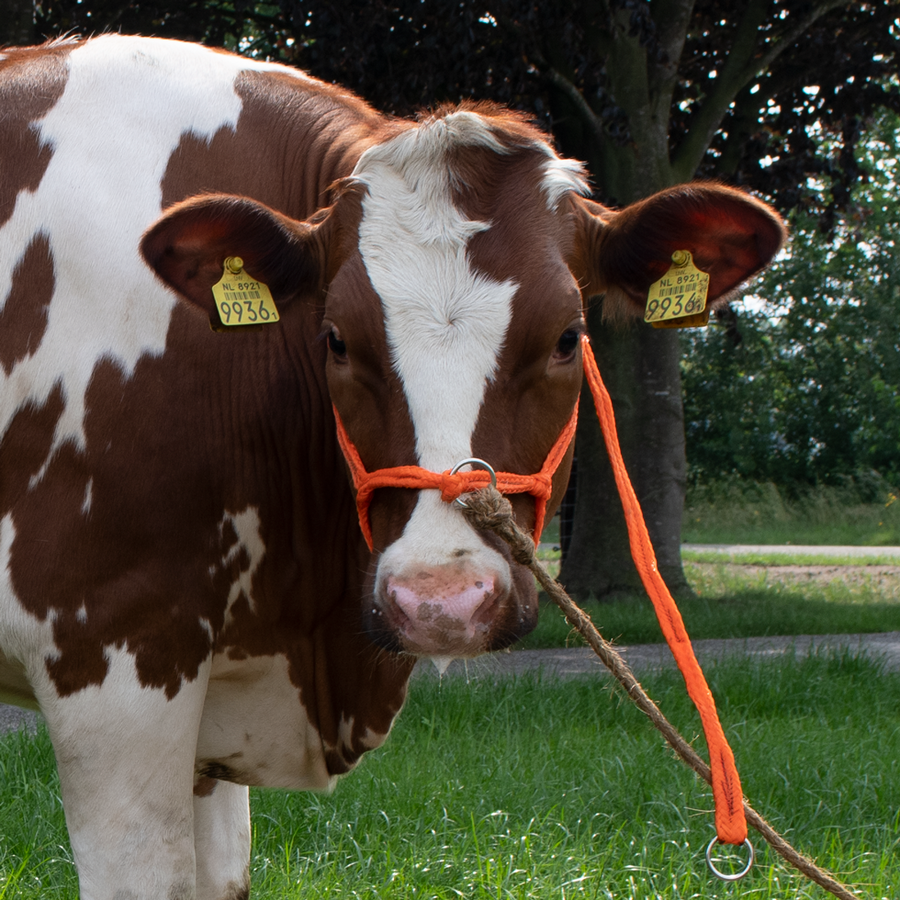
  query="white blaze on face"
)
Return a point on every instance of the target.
[{"x": 446, "y": 325}]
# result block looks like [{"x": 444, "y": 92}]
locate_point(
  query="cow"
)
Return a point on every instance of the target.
[{"x": 186, "y": 591}]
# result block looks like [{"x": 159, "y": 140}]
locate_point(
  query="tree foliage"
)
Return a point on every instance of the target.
[
  {"x": 713, "y": 88},
  {"x": 808, "y": 389}
]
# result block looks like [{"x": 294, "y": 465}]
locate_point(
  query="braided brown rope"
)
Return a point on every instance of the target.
[{"x": 488, "y": 509}]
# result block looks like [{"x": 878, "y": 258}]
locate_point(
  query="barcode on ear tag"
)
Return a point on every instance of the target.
[
  {"x": 241, "y": 300},
  {"x": 701, "y": 320}
]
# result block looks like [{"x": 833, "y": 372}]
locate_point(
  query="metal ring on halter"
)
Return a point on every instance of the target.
[
  {"x": 737, "y": 876},
  {"x": 474, "y": 461}
]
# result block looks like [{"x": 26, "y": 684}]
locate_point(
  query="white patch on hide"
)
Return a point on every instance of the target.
[
  {"x": 247, "y": 527},
  {"x": 222, "y": 842},
  {"x": 370, "y": 739},
  {"x": 562, "y": 177},
  {"x": 445, "y": 323},
  {"x": 255, "y": 724},
  {"x": 125, "y": 755},
  {"x": 125, "y": 107},
  {"x": 88, "y": 497}
]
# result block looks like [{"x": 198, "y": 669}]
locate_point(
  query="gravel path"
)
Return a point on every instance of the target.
[{"x": 11, "y": 718}]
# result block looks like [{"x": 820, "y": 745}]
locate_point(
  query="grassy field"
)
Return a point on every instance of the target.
[
  {"x": 736, "y": 512},
  {"x": 738, "y": 599},
  {"x": 530, "y": 789},
  {"x": 762, "y": 594}
]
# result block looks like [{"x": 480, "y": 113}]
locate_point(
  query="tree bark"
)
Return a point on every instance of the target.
[{"x": 639, "y": 365}]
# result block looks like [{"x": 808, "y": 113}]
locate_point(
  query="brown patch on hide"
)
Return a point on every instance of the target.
[
  {"x": 23, "y": 319},
  {"x": 295, "y": 166},
  {"x": 32, "y": 80},
  {"x": 25, "y": 446}
]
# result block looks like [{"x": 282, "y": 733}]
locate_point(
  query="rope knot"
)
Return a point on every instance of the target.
[
  {"x": 543, "y": 485},
  {"x": 452, "y": 486},
  {"x": 489, "y": 509}
]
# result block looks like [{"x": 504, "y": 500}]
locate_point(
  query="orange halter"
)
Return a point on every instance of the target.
[
  {"x": 453, "y": 484},
  {"x": 731, "y": 824}
]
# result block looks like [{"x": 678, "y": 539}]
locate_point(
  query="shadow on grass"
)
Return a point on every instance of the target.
[{"x": 746, "y": 613}]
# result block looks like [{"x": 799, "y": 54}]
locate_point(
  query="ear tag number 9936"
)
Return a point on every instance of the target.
[
  {"x": 678, "y": 299},
  {"x": 240, "y": 300}
]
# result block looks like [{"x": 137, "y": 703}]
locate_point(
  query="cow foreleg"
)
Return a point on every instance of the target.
[
  {"x": 125, "y": 755},
  {"x": 222, "y": 839}
]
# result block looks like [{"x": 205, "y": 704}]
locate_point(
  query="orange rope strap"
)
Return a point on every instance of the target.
[
  {"x": 540, "y": 486},
  {"x": 731, "y": 826}
]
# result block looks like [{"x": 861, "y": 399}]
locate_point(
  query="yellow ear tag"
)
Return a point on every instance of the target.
[
  {"x": 678, "y": 299},
  {"x": 241, "y": 301}
]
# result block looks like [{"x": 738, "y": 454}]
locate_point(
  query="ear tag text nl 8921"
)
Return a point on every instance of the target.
[
  {"x": 678, "y": 299},
  {"x": 241, "y": 301}
]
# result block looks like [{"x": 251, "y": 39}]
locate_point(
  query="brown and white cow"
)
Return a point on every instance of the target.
[{"x": 185, "y": 592}]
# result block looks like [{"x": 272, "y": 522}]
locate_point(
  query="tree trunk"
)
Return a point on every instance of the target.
[{"x": 639, "y": 365}]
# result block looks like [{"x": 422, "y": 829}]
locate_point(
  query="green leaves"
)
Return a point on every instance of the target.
[{"x": 812, "y": 392}]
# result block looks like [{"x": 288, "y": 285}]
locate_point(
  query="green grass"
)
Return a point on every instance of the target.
[
  {"x": 740, "y": 601},
  {"x": 782, "y": 559},
  {"x": 541, "y": 789},
  {"x": 736, "y": 512}
]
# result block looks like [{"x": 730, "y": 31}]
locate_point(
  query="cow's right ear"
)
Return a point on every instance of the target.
[{"x": 188, "y": 246}]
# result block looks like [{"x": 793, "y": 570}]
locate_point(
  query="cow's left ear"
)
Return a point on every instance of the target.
[
  {"x": 188, "y": 245},
  {"x": 730, "y": 234}
]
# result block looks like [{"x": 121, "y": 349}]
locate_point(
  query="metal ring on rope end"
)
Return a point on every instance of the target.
[
  {"x": 474, "y": 461},
  {"x": 737, "y": 876}
]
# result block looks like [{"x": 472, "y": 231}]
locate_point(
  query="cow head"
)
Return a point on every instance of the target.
[{"x": 454, "y": 266}]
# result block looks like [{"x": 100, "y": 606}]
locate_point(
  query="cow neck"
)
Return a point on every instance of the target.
[{"x": 453, "y": 485}]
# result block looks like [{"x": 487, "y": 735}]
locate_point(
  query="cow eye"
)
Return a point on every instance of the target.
[
  {"x": 336, "y": 345},
  {"x": 567, "y": 345}
]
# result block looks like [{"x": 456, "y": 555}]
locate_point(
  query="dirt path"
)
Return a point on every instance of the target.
[
  {"x": 793, "y": 549},
  {"x": 884, "y": 579}
]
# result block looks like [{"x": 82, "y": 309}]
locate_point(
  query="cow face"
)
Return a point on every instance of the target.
[
  {"x": 459, "y": 313},
  {"x": 454, "y": 266}
]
